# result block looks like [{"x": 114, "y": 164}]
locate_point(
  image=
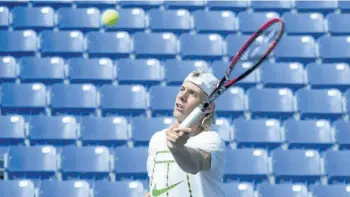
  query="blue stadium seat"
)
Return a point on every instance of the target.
[
  {"x": 338, "y": 23},
  {"x": 342, "y": 134},
  {"x": 222, "y": 22},
  {"x": 341, "y": 190},
  {"x": 33, "y": 18},
  {"x": 238, "y": 189},
  {"x": 328, "y": 75},
  {"x": 114, "y": 44},
  {"x": 304, "y": 23},
  {"x": 96, "y": 3},
  {"x": 261, "y": 133},
  {"x": 4, "y": 17},
  {"x": 93, "y": 162},
  {"x": 246, "y": 165},
  {"x": 21, "y": 42},
  {"x": 182, "y": 69},
  {"x": 13, "y": 130},
  {"x": 228, "y": 5},
  {"x": 44, "y": 69},
  {"x": 300, "y": 48},
  {"x": 85, "y": 18},
  {"x": 53, "y": 3},
  {"x": 223, "y": 127},
  {"x": 231, "y": 103},
  {"x": 306, "y": 165},
  {"x": 189, "y": 5},
  {"x": 32, "y": 162},
  {"x": 326, "y": 103},
  {"x": 289, "y": 75},
  {"x": 176, "y": 21},
  {"x": 71, "y": 188},
  {"x": 277, "y": 6},
  {"x": 336, "y": 166},
  {"x": 312, "y": 134},
  {"x": 8, "y": 69},
  {"x": 318, "y": 6},
  {"x": 334, "y": 49},
  {"x": 162, "y": 45},
  {"x": 123, "y": 188},
  {"x": 130, "y": 162},
  {"x": 54, "y": 130},
  {"x": 234, "y": 43},
  {"x": 74, "y": 98},
  {"x": 271, "y": 102},
  {"x": 51, "y": 43},
  {"x": 93, "y": 70},
  {"x": 201, "y": 46},
  {"x": 344, "y": 6},
  {"x": 140, "y": 71},
  {"x": 347, "y": 101},
  {"x": 17, "y": 188},
  {"x": 162, "y": 99},
  {"x": 13, "y": 100},
  {"x": 143, "y": 128},
  {"x": 124, "y": 99},
  {"x": 284, "y": 189},
  {"x": 130, "y": 20},
  {"x": 3, "y": 151},
  {"x": 145, "y": 4},
  {"x": 250, "y": 22},
  {"x": 106, "y": 131}
]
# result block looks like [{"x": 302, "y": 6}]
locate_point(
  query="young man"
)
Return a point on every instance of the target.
[{"x": 188, "y": 162}]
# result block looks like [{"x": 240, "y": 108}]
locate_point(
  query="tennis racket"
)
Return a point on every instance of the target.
[{"x": 255, "y": 50}]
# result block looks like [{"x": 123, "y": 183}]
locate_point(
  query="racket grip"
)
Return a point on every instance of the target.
[{"x": 192, "y": 118}]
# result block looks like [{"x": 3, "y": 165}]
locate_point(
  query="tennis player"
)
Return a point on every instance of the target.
[{"x": 188, "y": 162}]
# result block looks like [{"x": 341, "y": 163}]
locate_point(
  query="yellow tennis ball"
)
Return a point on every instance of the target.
[{"x": 110, "y": 17}]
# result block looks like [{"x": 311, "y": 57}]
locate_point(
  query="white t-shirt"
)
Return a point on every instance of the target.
[{"x": 169, "y": 180}]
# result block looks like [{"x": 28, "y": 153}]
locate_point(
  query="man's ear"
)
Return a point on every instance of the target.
[{"x": 210, "y": 109}]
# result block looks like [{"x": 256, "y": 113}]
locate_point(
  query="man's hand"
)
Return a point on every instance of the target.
[
  {"x": 177, "y": 137},
  {"x": 148, "y": 195}
]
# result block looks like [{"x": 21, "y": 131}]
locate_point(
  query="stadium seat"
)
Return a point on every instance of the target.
[
  {"x": 238, "y": 189},
  {"x": 124, "y": 99},
  {"x": 44, "y": 69},
  {"x": 123, "y": 188},
  {"x": 4, "y": 17},
  {"x": 234, "y": 43},
  {"x": 328, "y": 75},
  {"x": 189, "y": 5},
  {"x": 162, "y": 45},
  {"x": 93, "y": 162},
  {"x": 336, "y": 166},
  {"x": 162, "y": 99},
  {"x": 33, "y": 18},
  {"x": 13, "y": 100},
  {"x": 71, "y": 188},
  {"x": 145, "y": 4},
  {"x": 338, "y": 24},
  {"x": 223, "y": 127},
  {"x": 92, "y": 70},
  {"x": 296, "y": 165},
  {"x": 73, "y": 98},
  {"x": 231, "y": 103},
  {"x": 289, "y": 75},
  {"x": 182, "y": 69},
  {"x": 143, "y": 128},
  {"x": 132, "y": 20},
  {"x": 342, "y": 134},
  {"x": 106, "y": 131},
  {"x": 271, "y": 102},
  {"x": 32, "y": 162},
  {"x": 130, "y": 162},
  {"x": 51, "y": 43},
  {"x": 52, "y": 3},
  {"x": 3, "y": 151},
  {"x": 312, "y": 134},
  {"x": 277, "y": 6},
  {"x": 177, "y": 21},
  {"x": 300, "y": 48},
  {"x": 341, "y": 190},
  {"x": 250, "y": 22},
  {"x": 203, "y": 46},
  {"x": 246, "y": 165},
  {"x": 326, "y": 103},
  {"x": 116, "y": 44},
  {"x": 12, "y": 130},
  {"x": 316, "y": 6},
  {"x": 17, "y": 188},
  {"x": 8, "y": 69},
  {"x": 284, "y": 189},
  {"x": 21, "y": 42},
  {"x": 304, "y": 23},
  {"x": 86, "y": 19},
  {"x": 259, "y": 133},
  {"x": 54, "y": 130},
  {"x": 334, "y": 49},
  {"x": 228, "y": 5},
  {"x": 347, "y": 101},
  {"x": 223, "y": 22},
  {"x": 344, "y": 6},
  {"x": 102, "y": 4}
]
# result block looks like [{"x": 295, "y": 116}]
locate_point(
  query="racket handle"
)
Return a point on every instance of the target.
[{"x": 192, "y": 118}]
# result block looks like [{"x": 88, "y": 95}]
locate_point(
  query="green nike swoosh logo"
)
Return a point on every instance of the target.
[{"x": 158, "y": 192}]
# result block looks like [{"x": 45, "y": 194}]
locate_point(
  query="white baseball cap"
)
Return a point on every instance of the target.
[{"x": 203, "y": 79}]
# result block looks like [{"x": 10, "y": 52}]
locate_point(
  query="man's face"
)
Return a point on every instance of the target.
[{"x": 188, "y": 98}]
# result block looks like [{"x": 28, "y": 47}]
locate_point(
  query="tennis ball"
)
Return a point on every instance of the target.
[{"x": 110, "y": 17}]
